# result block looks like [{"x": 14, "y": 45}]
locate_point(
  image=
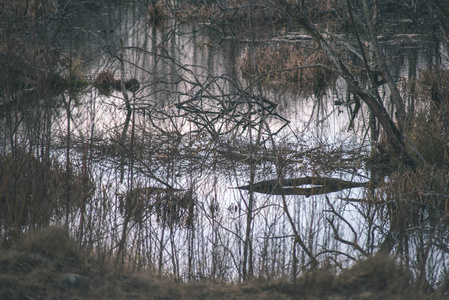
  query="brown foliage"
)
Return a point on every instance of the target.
[
  {"x": 48, "y": 265},
  {"x": 429, "y": 113},
  {"x": 432, "y": 89},
  {"x": 299, "y": 68},
  {"x": 378, "y": 276},
  {"x": 171, "y": 207},
  {"x": 157, "y": 12},
  {"x": 105, "y": 83},
  {"x": 33, "y": 192},
  {"x": 52, "y": 243},
  {"x": 30, "y": 8}
]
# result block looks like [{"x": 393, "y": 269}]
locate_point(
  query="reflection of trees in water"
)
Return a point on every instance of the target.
[{"x": 194, "y": 129}]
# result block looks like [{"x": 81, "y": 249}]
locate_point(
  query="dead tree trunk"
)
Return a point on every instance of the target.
[{"x": 394, "y": 135}]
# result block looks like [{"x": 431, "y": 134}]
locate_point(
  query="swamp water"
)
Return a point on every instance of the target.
[{"x": 165, "y": 159}]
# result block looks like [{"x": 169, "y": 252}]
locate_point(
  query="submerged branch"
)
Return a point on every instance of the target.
[{"x": 293, "y": 186}]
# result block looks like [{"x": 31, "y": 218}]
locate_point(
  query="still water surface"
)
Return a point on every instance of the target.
[{"x": 161, "y": 143}]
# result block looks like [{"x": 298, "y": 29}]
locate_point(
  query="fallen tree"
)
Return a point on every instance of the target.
[{"x": 296, "y": 186}]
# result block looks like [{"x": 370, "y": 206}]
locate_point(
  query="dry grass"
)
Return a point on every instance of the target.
[
  {"x": 414, "y": 198},
  {"x": 299, "y": 68},
  {"x": 48, "y": 265},
  {"x": 158, "y": 12},
  {"x": 429, "y": 114},
  {"x": 378, "y": 276},
  {"x": 30, "y": 8},
  {"x": 106, "y": 83},
  {"x": 432, "y": 90},
  {"x": 196, "y": 13},
  {"x": 32, "y": 192}
]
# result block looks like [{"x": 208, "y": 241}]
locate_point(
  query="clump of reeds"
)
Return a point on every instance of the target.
[
  {"x": 373, "y": 277},
  {"x": 433, "y": 90},
  {"x": 35, "y": 191},
  {"x": 429, "y": 101},
  {"x": 106, "y": 83},
  {"x": 51, "y": 242},
  {"x": 377, "y": 276},
  {"x": 157, "y": 12},
  {"x": 194, "y": 12},
  {"x": 280, "y": 65},
  {"x": 30, "y": 8},
  {"x": 170, "y": 206}
]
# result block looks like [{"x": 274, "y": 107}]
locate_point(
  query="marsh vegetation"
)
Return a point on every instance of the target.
[{"x": 288, "y": 146}]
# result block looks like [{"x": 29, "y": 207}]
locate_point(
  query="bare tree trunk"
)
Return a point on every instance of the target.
[
  {"x": 380, "y": 61},
  {"x": 247, "y": 270},
  {"x": 68, "y": 171},
  {"x": 393, "y": 133},
  {"x": 247, "y": 247},
  {"x": 161, "y": 252}
]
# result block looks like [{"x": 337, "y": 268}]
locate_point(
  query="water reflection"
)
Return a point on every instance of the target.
[
  {"x": 194, "y": 131},
  {"x": 181, "y": 136}
]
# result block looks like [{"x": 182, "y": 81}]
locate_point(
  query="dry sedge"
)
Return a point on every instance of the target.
[
  {"x": 49, "y": 265},
  {"x": 30, "y": 8},
  {"x": 33, "y": 191},
  {"x": 428, "y": 100},
  {"x": 157, "y": 12},
  {"x": 299, "y": 68},
  {"x": 105, "y": 83}
]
